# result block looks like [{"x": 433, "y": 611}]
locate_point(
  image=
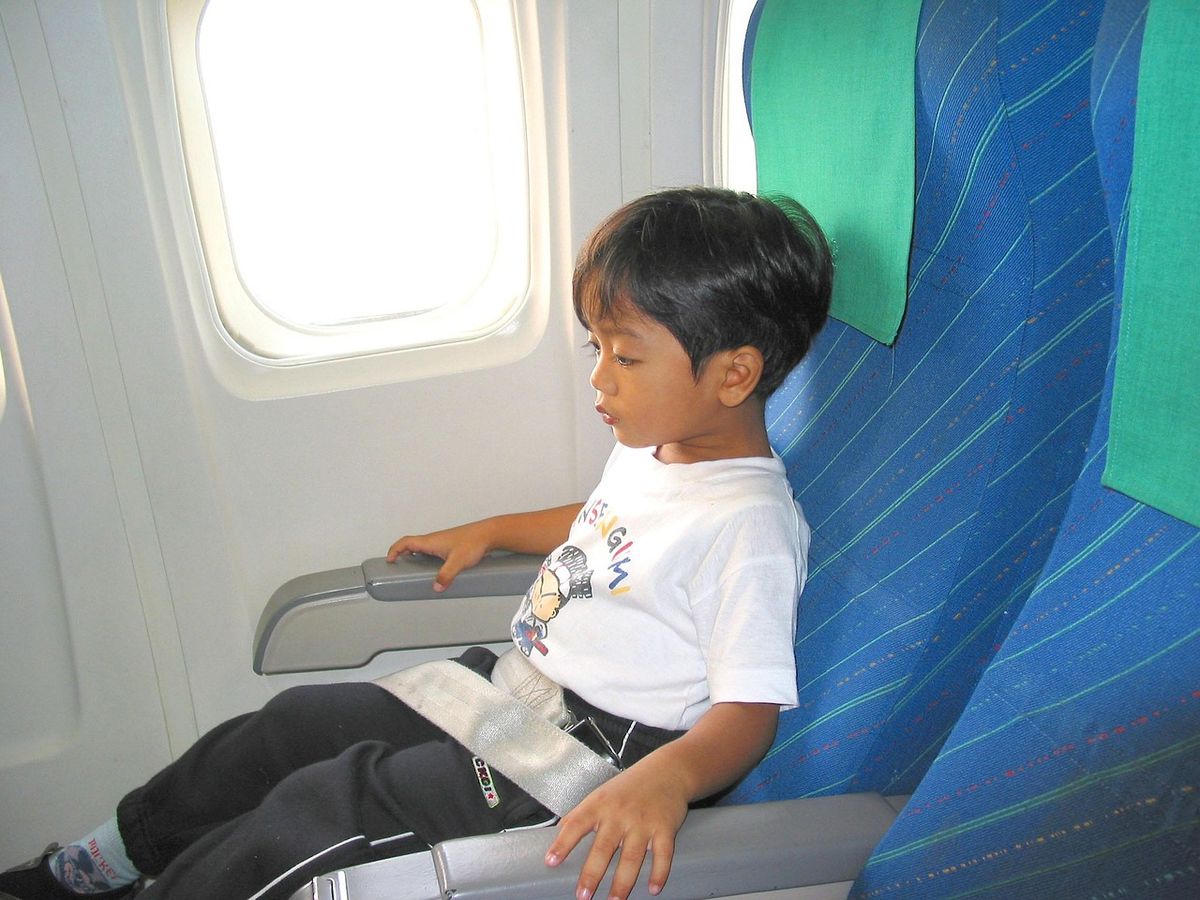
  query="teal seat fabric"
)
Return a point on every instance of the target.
[
  {"x": 1154, "y": 438},
  {"x": 828, "y": 103},
  {"x": 937, "y": 472},
  {"x": 1074, "y": 770}
]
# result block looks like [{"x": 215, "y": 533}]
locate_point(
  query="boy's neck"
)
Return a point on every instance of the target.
[{"x": 744, "y": 435}]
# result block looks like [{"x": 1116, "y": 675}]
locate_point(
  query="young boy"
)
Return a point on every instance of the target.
[{"x": 667, "y": 615}]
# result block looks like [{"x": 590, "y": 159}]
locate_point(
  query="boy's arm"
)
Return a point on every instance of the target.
[
  {"x": 643, "y": 807},
  {"x": 536, "y": 532}
]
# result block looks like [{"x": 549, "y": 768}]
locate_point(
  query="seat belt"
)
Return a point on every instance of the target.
[{"x": 536, "y": 754}]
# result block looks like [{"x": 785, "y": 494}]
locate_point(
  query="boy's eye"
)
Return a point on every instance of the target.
[{"x": 593, "y": 349}]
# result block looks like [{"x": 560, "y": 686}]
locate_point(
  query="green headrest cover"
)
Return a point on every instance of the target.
[
  {"x": 1154, "y": 437},
  {"x": 832, "y": 98}
]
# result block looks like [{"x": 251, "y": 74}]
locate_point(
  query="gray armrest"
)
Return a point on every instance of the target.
[
  {"x": 343, "y": 618},
  {"x": 720, "y": 852}
]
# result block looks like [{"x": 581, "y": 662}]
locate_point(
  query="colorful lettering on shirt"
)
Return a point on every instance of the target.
[{"x": 617, "y": 541}]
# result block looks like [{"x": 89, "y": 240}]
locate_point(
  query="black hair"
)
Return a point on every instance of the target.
[{"x": 716, "y": 268}]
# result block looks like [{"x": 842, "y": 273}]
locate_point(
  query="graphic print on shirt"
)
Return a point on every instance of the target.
[
  {"x": 617, "y": 542},
  {"x": 562, "y": 578}
]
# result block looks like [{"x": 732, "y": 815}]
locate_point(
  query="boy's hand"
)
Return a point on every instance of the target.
[
  {"x": 458, "y": 548},
  {"x": 643, "y": 808},
  {"x": 637, "y": 811},
  {"x": 539, "y": 531}
]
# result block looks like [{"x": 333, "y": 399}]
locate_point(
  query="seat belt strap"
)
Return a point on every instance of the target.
[{"x": 547, "y": 763}]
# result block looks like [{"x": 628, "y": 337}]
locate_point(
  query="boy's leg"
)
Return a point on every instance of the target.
[
  {"x": 234, "y": 767},
  {"x": 371, "y": 801},
  {"x": 229, "y": 771}
]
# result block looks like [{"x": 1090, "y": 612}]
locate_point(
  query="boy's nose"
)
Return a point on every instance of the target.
[{"x": 599, "y": 379}]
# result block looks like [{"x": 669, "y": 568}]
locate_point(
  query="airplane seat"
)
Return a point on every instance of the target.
[
  {"x": 1075, "y": 768},
  {"x": 935, "y": 471}
]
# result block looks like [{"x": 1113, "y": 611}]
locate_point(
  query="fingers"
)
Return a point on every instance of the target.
[
  {"x": 603, "y": 849},
  {"x": 572, "y": 830},
  {"x": 632, "y": 814},
  {"x": 446, "y": 574},
  {"x": 569, "y": 836},
  {"x": 630, "y": 849},
  {"x": 663, "y": 852},
  {"x": 632, "y": 853},
  {"x": 406, "y": 544},
  {"x": 410, "y": 544},
  {"x": 458, "y": 548}
]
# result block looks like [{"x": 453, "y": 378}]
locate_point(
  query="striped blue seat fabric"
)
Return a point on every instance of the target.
[
  {"x": 1075, "y": 769},
  {"x": 936, "y": 473}
]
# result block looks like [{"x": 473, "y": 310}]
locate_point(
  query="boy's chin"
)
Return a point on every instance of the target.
[{"x": 633, "y": 443}]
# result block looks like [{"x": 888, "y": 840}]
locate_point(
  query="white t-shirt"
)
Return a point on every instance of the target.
[{"x": 676, "y": 589}]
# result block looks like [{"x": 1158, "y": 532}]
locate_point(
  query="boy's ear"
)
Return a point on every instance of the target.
[{"x": 743, "y": 368}]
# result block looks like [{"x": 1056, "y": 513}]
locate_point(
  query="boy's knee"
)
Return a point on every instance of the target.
[
  {"x": 291, "y": 701},
  {"x": 339, "y": 713},
  {"x": 303, "y": 708}
]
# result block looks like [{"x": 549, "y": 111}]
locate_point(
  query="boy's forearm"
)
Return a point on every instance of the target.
[
  {"x": 537, "y": 532},
  {"x": 725, "y": 744}
]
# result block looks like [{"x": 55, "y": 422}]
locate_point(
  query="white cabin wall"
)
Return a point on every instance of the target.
[
  {"x": 169, "y": 507},
  {"x": 70, "y": 586}
]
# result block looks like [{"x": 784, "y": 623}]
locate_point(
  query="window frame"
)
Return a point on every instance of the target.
[
  {"x": 733, "y": 164},
  {"x": 388, "y": 349}
]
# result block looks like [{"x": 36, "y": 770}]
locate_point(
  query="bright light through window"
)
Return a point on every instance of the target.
[
  {"x": 334, "y": 154},
  {"x": 737, "y": 144},
  {"x": 359, "y": 170}
]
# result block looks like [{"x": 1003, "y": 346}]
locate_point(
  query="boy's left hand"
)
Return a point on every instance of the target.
[
  {"x": 639, "y": 810},
  {"x": 642, "y": 808}
]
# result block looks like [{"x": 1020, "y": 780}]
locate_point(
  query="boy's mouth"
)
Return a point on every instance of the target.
[{"x": 608, "y": 420}]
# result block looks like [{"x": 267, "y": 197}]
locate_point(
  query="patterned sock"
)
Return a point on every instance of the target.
[{"x": 95, "y": 863}]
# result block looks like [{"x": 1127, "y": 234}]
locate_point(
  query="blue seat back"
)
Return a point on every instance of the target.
[
  {"x": 936, "y": 472},
  {"x": 1075, "y": 769}
]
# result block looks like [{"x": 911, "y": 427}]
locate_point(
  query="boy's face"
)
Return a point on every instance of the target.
[
  {"x": 545, "y": 599},
  {"x": 646, "y": 392}
]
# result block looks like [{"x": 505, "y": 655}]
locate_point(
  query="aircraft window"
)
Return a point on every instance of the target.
[
  {"x": 359, "y": 170},
  {"x": 735, "y": 150}
]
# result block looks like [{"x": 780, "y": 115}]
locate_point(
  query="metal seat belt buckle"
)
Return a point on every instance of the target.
[{"x": 588, "y": 733}]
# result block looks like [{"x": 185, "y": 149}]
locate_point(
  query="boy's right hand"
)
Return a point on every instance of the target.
[
  {"x": 537, "y": 532},
  {"x": 458, "y": 548}
]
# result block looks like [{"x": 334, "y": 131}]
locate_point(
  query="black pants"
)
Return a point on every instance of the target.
[{"x": 320, "y": 778}]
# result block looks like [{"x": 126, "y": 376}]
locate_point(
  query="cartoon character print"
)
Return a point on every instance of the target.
[
  {"x": 75, "y": 868},
  {"x": 560, "y": 580}
]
